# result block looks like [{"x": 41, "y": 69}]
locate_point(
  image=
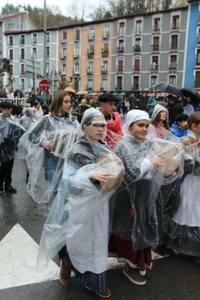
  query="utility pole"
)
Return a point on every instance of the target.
[{"x": 45, "y": 52}]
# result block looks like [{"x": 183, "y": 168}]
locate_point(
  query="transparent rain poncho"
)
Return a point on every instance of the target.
[
  {"x": 135, "y": 213},
  {"x": 43, "y": 164},
  {"x": 10, "y": 133},
  {"x": 79, "y": 216},
  {"x": 183, "y": 232}
]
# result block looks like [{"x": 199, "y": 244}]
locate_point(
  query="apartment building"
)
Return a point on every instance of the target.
[{"x": 130, "y": 53}]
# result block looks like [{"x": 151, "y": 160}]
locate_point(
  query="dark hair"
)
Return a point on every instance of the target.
[
  {"x": 156, "y": 121},
  {"x": 194, "y": 118},
  {"x": 57, "y": 102}
]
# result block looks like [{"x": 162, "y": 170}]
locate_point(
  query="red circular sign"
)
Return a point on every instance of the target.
[{"x": 44, "y": 85}]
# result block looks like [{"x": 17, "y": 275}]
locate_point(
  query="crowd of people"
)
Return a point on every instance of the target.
[{"x": 118, "y": 187}]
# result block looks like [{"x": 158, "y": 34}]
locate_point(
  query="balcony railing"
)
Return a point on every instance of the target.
[
  {"x": 104, "y": 70},
  {"x": 105, "y": 35},
  {"x": 175, "y": 26},
  {"x": 154, "y": 67},
  {"x": 90, "y": 53},
  {"x": 174, "y": 47},
  {"x": 104, "y": 52},
  {"x": 155, "y": 47},
  {"x": 172, "y": 66},
  {"x": 91, "y": 37},
  {"x": 137, "y": 48},
  {"x": 120, "y": 49},
  {"x": 89, "y": 71},
  {"x": 76, "y": 56}
]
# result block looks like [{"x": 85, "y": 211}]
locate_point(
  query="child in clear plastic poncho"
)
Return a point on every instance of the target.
[
  {"x": 79, "y": 216},
  {"x": 134, "y": 226},
  {"x": 184, "y": 228},
  {"x": 46, "y": 144}
]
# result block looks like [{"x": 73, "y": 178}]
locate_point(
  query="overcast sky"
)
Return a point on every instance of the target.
[{"x": 64, "y": 6}]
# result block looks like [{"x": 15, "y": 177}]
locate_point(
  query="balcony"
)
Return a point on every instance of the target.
[
  {"x": 76, "y": 72},
  {"x": 104, "y": 71},
  {"x": 63, "y": 57},
  {"x": 173, "y": 67},
  {"x": 90, "y": 53},
  {"x": 105, "y": 35},
  {"x": 175, "y": 26},
  {"x": 89, "y": 71},
  {"x": 119, "y": 70},
  {"x": 136, "y": 70},
  {"x": 76, "y": 56},
  {"x": 121, "y": 32},
  {"x": 155, "y": 48},
  {"x": 174, "y": 48},
  {"x": 154, "y": 67},
  {"x": 120, "y": 49},
  {"x": 137, "y": 48},
  {"x": 104, "y": 52},
  {"x": 90, "y": 37}
]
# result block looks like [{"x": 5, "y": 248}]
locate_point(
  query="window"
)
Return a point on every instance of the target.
[
  {"x": 11, "y": 54},
  {"x": 47, "y": 52},
  {"x": 120, "y": 65},
  {"x": 156, "y": 26},
  {"x": 90, "y": 67},
  {"x": 104, "y": 84},
  {"x": 173, "y": 62},
  {"x": 172, "y": 79},
  {"x": 104, "y": 68},
  {"x": 34, "y": 38},
  {"x": 155, "y": 45},
  {"x": 198, "y": 57},
  {"x": 120, "y": 48},
  {"x": 22, "y": 53},
  {"x": 22, "y": 39},
  {"x": 77, "y": 35},
  {"x": 22, "y": 84},
  {"x": 174, "y": 41},
  {"x": 64, "y": 53},
  {"x": 91, "y": 34},
  {"x": 104, "y": 50},
  {"x": 175, "y": 22},
  {"x": 47, "y": 68},
  {"x": 153, "y": 80},
  {"x": 76, "y": 68},
  {"x": 48, "y": 37},
  {"x": 136, "y": 66},
  {"x": 76, "y": 51},
  {"x": 199, "y": 36},
  {"x": 22, "y": 69},
  {"x": 105, "y": 34},
  {"x": 90, "y": 85},
  {"x": 34, "y": 51},
  {"x": 154, "y": 65},
  {"x": 121, "y": 30},
  {"x": 64, "y": 35},
  {"x": 197, "y": 79},
  {"x": 119, "y": 83},
  {"x": 137, "y": 47},
  {"x": 10, "y": 40},
  {"x": 63, "y": 69},
  {"x": 136, "y": 82},
  {"x": 138, "y": 26}
]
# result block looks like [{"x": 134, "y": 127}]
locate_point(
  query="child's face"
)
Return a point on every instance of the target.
[
  {"x": 183, "y": 124},
  {"x": 139, "y": 129},
  {"x": 196, "y": 130}
]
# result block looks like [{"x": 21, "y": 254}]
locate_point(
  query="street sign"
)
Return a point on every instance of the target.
[{"x": 44, "y": 85}]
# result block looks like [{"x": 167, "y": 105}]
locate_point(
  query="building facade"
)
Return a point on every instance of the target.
[{"x": 119, "y": 54}]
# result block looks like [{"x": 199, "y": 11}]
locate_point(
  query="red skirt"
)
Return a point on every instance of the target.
[{"x": 140, "y": 259}]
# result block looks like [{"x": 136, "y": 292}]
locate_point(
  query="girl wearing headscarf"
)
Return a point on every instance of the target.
[
  {"x": 134, "y": 227},
  {"x": 79, "y": 216}
]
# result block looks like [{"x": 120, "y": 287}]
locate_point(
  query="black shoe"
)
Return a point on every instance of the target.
[{"x": 10, "y": 189}]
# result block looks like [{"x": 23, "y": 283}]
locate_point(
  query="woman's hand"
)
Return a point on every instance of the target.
[
  {"x": 100, "y": 177},
  {"x": 47, "y": 144}
]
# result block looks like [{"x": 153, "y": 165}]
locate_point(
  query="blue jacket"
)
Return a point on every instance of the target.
[{"x": 178, "y": 131}]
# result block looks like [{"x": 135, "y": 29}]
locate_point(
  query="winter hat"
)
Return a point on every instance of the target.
[
  {"x": 158, "y": 108},
  {"x": 135, "y": 115},
  {"x": 90, "y": 115},
  {"x": 6, "y": 104}
]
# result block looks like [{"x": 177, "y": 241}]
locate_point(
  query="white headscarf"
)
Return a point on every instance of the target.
[
  {"x": 158, "y": 108},
  {"x": 134, "y": 115}
]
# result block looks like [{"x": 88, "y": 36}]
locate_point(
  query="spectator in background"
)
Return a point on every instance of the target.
[
  {"x": 188, "y": 108},
  {"x": 132, "y": 100},
  {"x": 180, "y": 127},
  {"x": 174, "y": 107},
  {"x": 45, "y": 109},
  {"x": 38, "y": 110},
  {"x": 79, "y": 111}
]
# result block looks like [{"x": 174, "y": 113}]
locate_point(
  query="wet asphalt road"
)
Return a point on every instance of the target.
[{"x": 171, "y": 278}]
